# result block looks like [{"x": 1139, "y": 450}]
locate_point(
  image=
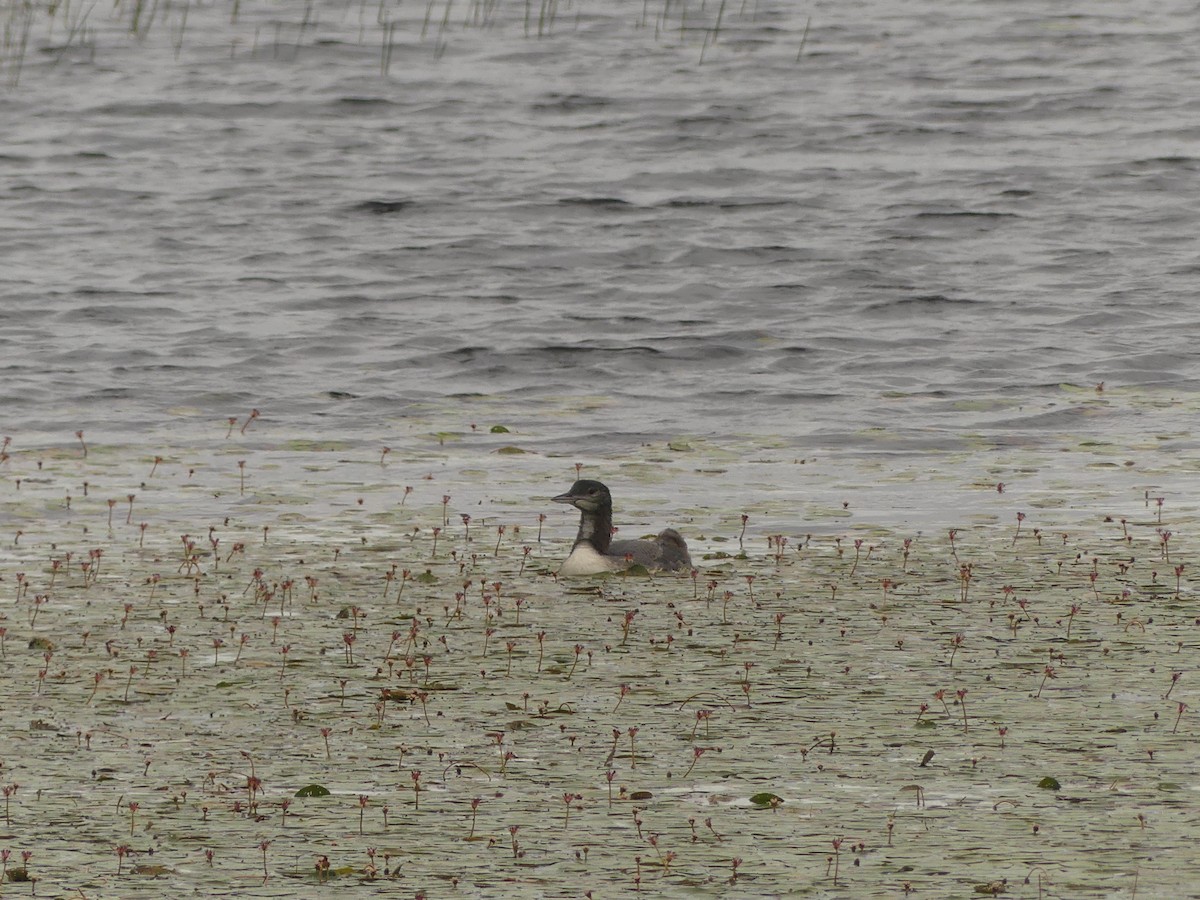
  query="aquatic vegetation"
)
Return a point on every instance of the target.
[
  {"x": 810, "y": 717},
  {"x": 255, "y": 29}
]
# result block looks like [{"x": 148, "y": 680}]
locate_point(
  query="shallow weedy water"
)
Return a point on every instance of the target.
[{"x": 799, "y": 671}]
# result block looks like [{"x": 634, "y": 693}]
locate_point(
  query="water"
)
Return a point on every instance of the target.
[
  {"x": 881, "y": 279},
  {"x": 929, "y": 222}
]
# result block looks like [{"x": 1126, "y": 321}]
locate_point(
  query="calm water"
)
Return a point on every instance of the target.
[{"x": 832, "y": 219}]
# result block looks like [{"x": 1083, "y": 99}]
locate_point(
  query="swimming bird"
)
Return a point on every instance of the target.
[{"x": 595, "y": 551}]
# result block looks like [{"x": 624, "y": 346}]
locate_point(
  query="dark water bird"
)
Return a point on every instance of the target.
[{"x": 595, "y": 551}]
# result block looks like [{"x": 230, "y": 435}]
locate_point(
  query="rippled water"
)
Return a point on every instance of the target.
[
  {"x": 852, "y": 274},
  {"x": 814, "y": 221}
]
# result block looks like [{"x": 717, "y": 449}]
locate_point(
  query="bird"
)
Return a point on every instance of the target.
[{"x": 595, "y": 551}]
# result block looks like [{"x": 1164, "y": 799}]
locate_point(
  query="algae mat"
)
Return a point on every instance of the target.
[{"x": 260, "y": 667}]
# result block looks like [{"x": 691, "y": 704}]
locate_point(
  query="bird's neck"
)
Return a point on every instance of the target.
[{"x": 595, "y": 528}]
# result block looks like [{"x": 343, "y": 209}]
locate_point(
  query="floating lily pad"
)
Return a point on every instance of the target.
[
  {"x": 992, "y": 888},
  {"x": 313, "y": 790},
  {"x": 333, "y": 872},
  {"x": 1049, "y": 784},
  {"x": 152, "y": 870},
  {"x": 766, "y": 800}
]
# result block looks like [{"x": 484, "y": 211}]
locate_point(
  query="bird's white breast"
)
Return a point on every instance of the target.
[{"x": 584, "y": 560}]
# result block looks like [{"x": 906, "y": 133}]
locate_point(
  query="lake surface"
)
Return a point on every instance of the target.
[
  {"x": 861, "y": 273},
  {"x": 812, "y": 223}
]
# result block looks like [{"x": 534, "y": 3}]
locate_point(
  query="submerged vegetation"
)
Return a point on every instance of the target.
[
  {"x": 391, "y": 30},
  {"x": 247, "y": 663}
]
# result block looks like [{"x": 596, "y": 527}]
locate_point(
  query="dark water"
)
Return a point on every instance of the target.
[{"x": 861, "y": 224}]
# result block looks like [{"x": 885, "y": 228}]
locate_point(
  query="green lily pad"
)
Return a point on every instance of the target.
[
  {"x": 992, "y": 887},
  {"x": 152, "y": 871},
  {"x": 766, "y": 800},
  {"x": 498, "y": 429},
  {"x": 313, "y": 790},
  {"x": 333, "y": 872},
  {"x": 1049, "y": 784}
]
